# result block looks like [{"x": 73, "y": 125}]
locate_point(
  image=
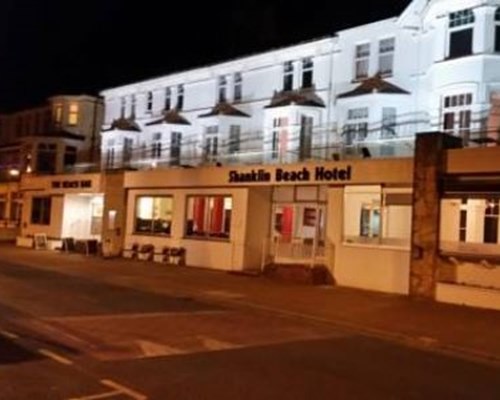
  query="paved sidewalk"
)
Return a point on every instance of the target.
[{"x": 469, "y": 332}]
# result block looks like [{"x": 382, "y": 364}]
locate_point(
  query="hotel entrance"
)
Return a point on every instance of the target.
[{"x": 298, "y": 225}]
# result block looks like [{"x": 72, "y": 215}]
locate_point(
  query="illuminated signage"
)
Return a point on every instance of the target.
[
  {"x": 86, "y": 184},
  {"x": 318, "y": 174}
]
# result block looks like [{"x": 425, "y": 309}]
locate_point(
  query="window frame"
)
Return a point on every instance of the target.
[
  {"x": 386, "y": 52},
  {"x": 362, "y": 52}
]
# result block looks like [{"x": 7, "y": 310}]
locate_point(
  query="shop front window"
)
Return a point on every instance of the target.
[
  {"x": 153, "y": 215},
  {"x": 209, "y": 216},
  {"x": 376, "y": 215}
]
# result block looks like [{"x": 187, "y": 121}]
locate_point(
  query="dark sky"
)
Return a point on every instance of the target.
[{"x": 52, "y": 47}]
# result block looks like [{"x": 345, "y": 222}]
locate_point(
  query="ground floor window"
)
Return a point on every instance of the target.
[
  {"x": 470, "y": 220},
  {"x": 153, "y": 215},
  {"x": 209, "y": 216},
  {"x": 40, "y": 210},
  {"x": 377, "y": 215}
]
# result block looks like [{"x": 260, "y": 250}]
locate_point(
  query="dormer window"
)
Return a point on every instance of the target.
[
  {"x": 168, "y": 99},
  {"x": 123, "y": 103},
  {"x": 222, "y": 89},
  {"x": 386, "y": 57},
  {"x": 362, "y": 61},
  {"x": 180, "y": 97},
  {"x": 307, "y": 73},
  {"x": 132, "y": 106},
  {"x": 73, "y": 114},
  {"x": 238, "y": 86},
  {"x": 461, "y": 28},
  {"x": 288, "y": 76},
  {"x": 149, "y": 102}
]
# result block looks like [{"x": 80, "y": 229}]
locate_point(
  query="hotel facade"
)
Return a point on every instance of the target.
[{"x": 309, "y": 155}]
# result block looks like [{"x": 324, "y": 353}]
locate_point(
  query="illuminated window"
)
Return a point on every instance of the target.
[
  {"x": 461, "y": 28},
  {"x": 238, "y": 86},
  {"x": 40, "y": 210},
  {"x": 73, "y": 114},
  {"x": 288, "y": 76},
  {"x": 153, "y": 215},
  {"x": 58, "y": 110},
  {"x": 386, "y": 57},
  {"x": 362, "y": 61},
  {"x": 209, "y": 216},
  {"x": 222, "y": 88},
  {"x": 377, "y": 215},
  {"x": 97, "y": 212},
  {"x": 307, "y": 72}
]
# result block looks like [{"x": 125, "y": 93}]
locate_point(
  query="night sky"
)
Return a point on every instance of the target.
[{"x": 50, "y": 47}]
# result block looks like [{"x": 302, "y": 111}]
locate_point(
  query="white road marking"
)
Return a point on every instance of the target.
[
  {"x": 124, "y": 390},
  {"x": 214, "y": 344},
  {"x": 98, "y": 396},
  {"x": 152, "y": 349},
  {"x": 9, "y": 335},
  {"x": 55, "y": 357}
]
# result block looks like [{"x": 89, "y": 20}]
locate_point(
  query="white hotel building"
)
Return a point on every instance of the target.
[
  {"x": 309, "y": 155},
  {"x": 436, "y": 67}
]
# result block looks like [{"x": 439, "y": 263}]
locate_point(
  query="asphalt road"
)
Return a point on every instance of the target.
[{"x": 74, "y": 337}]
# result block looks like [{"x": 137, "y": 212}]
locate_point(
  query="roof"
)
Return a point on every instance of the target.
[
  {"x": 371, "y": 85},
  {"x": 171, "y": 117},
  {"x": 63, "y": 134},
  {"x": 123, "y": 124},
  {"x": 302, "y": 97},
  {"x": 225, "y": 109}
]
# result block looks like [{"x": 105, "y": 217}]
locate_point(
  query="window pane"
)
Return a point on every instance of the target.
[{"x": 461, "y": 43}]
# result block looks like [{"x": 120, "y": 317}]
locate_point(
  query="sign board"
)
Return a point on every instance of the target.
[
  {"x": 40, "y": 241},
  {"x": 304, "y": 174}
]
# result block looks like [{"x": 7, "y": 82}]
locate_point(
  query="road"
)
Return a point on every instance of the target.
[{"x": 64, "y": 336}]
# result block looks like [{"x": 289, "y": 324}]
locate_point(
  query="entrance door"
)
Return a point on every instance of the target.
[{"x": 298, "y": 231}]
